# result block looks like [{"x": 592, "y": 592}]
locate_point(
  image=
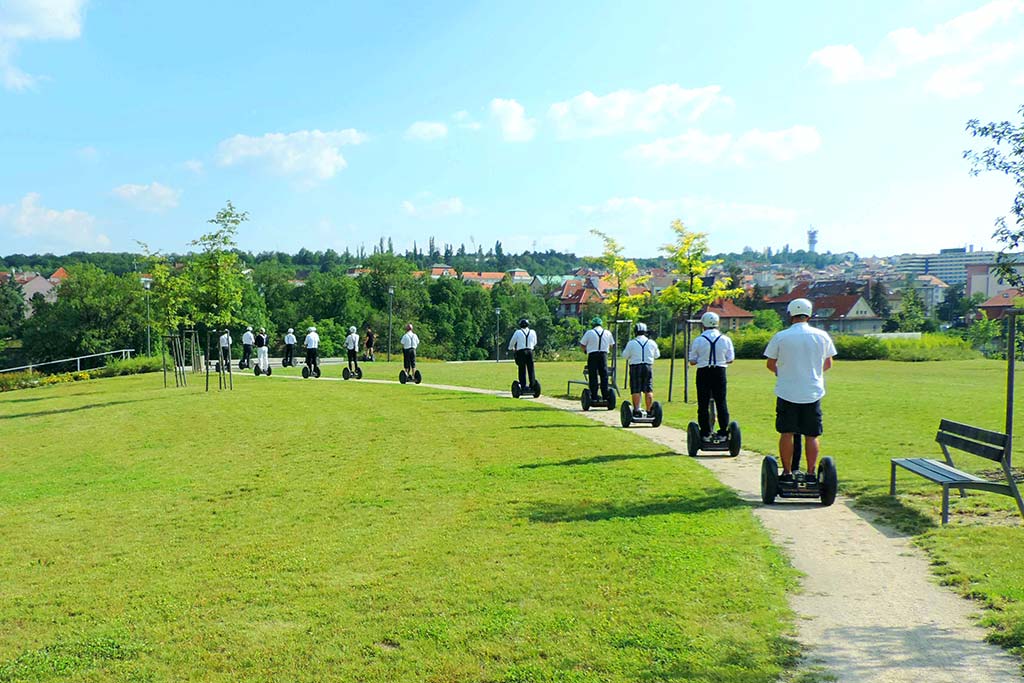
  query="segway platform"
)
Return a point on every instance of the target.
[
  {"x": 405, "y": 377},
  {"x": 517, "y": 390},
  {"x": 823, "y": 487},
  {"x": 587, "y": 401},
  {"x": 256, "y": 370},
  {"x": 352, "y": 374},
  {"x": 714, "y": 443},
  {"x": 653, "y": 418},
  {"x": 306, "y": 372}
]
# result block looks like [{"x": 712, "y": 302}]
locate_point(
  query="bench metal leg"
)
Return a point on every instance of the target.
[
  {"x": 945, "y": 504},
  {"x": 892, "y": 479}
]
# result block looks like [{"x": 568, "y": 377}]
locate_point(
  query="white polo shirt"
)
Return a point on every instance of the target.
[
  {"x": 312, "y": 340},
  {"x": 700, "y": 349},
  {"x": 410, "y": 340},
  {"x": 225, "y": 340},
  {"x": 352, "y": 342},
  {"x": 641, "y": 351},
  {"x": 801, "y": 351},
  {"x": 598, "y": 339},
  {"x": 522, "y": 339},
  {"x": 289, "y": 338},
  {"x": 248, "y": 338}
]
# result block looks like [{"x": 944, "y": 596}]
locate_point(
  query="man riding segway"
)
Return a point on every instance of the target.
[
  {"x": 410, "y": 342},
  {"x": 598, "y": 342},
  {"x": 312, "y": 344},
  {"x": 262, "y": 353},
  {"x": 352, "y": 348},
  {"x": 248, "y": 340},
  {"x": 640, "y": 354},
  {"x": 289, "y": 348},
  {"x": 522, "y": 343},
  {"x": 711, "y": 353}
]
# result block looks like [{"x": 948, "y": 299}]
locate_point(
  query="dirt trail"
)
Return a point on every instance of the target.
[{"x": 869, "y": 610}]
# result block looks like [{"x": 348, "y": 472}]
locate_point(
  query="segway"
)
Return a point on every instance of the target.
[
  {"x": 627, "y": 418},
  {"x": 732, "y": 441},
  {"x": 823, "y": 487},
  {"x": 587, "y": 401},
  {"x": 315, "y": 371},
  {"x": 405, "y": 377},
  {"x": 517, "y": 390},
  {"x": 256, "y": 370},
  {"x": 349, "y": 374}
]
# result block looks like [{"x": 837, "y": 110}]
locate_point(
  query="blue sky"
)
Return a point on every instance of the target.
[{"x": 527, "y": 122}]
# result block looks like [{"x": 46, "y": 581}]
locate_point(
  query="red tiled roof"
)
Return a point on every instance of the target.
[
  {"x": 840, "y": 305},
  {"x": 725, "y": 308},
  {"x": 1003, "y": 299},
  {"x": 60, "y": 274},
  {"x": 798, "y": 292}
]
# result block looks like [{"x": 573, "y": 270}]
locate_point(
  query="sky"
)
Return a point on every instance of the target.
[{"x": 336, "y": 124}]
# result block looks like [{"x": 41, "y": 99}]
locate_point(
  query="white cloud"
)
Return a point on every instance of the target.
[
  {"x": 463, "y": 119},
  {"x": 960, "y": 80},
  {"x": 451, "y": 206},
  {"x": 154, "y": 197},
  {"x": 67, "y": 228},
  {"x": 754, "y": 145},
  {"x": 426, "y": 131},
  {"x": 308, "y": 153},
  {"x": 588, "y": 115},
  {"x": 511, "y": 116},
  {"x": 906, "y": 47},
  {"x": 25, "y": 20},
  {"x": 194, "y": 166}
]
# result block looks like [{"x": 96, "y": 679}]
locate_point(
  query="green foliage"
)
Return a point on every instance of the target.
[
  {"x": 750, "y": 342},
  {"x": 767, "y": 319},
  {"x": 910, "y": 317},
  {"x": 624, "y": 275},
  {"x": 930, "y": 347},
  {"x": 12, "y": 308},
  {"x": 851, "y": 347},
  {"x": 982, "y": 334},
  {"x": 215, "y": 272},
  {"x": 24, "y": 379},
  {"x": 117, "y": 367},
  {"x": 688, "y": 256}
]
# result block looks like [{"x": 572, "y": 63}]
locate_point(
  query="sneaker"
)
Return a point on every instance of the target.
[
  {"x": 638, "y": 413},
  {"x": 787, "y": 477}
]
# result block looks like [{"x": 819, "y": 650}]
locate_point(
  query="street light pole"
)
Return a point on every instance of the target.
[
  {"x": 149, "y": 348},
  {"x": 391, "y": 302},
  {"x": 497, "y": 332}
]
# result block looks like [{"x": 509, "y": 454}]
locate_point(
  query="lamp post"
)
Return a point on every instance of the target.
[
  {"x": 149, "y": 348},
  {"x": 391, "y": 303},
  {"x": 497, "y": 332}
]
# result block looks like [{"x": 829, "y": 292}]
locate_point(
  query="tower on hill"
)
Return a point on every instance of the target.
[{"x": 812, "y": 240}]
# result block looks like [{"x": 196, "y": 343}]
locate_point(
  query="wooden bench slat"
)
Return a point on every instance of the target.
[
  {"x": 937, "y": 471},
  {"x": 973, "y": 447},
  {"x": 976, "y": 433}
]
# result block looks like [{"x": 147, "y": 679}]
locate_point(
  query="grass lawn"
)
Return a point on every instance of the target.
[
  {"x": 875, "y": 410},
  {"x": 308, "y": 531}
]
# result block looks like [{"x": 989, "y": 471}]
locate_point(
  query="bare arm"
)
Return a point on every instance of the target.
[
  {"x": 827, "y": 365},
  {"x": 773, "y": 365}
]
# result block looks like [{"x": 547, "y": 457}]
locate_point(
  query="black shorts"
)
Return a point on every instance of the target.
[
  {"x": 351, "y": 354},
  {"x": 797, "y": 418},
  {"x": 641, "y": 379}
]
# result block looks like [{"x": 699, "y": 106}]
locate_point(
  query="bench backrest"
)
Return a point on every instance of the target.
[{"x": 981, "y": 442}]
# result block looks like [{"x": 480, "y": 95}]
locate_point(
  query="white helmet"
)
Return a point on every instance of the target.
[
  {"x": 709, "y": 319},
  {"x": 641, "y": 328},
  {"x": 290, "y": 330},
  {"x": 249, "y": 329},
  {"x": 263, "y": 329},
  {"x": 352, "y": 330},
  {"x": 311, "y": 329},
  {"x": 800, "y": 307}
]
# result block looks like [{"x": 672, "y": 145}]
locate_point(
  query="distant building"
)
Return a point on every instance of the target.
[
  {"x": 983, "y": 279},
  {"x": 932, "y": 291},
  {"x": 845, "y": 314},
  {"x": 730, "y": 316},
  {"x": 949, "y": 265},
  {"x": 997, "y": 306}
]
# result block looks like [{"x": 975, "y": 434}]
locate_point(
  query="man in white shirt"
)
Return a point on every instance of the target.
[
  {"x": 597, "y": 342},
  {"x": 711, "y": 352},
  {"x": 640, "y": 353},
  {"x": 289, "y": 348},
  {"x": 262, "y": 351},
  {"x": 312, "y": 343},
  {"x": 410, "y": 342},
  {"x": 799, "y": 356},
  {"x": 522, "y": 343},
  {"x": 352, "y": 346},
  {"x": 247, "y": 341},
  {"x": 225, "y": 349}
]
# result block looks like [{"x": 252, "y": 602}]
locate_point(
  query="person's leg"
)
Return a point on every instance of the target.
[
  {"x": 602, "y": 371},
  {"x": 529, "y": 367},
  {"x": 246, "y": 353},
  {"x": 786, "y": 451},
  {"x": 635, "y": 387},
  {"x": 703, "y": 401},
  {"x": 648, "y": 384},
  {"x": 786, "y": 424},
  {"x": 521, "y": 367},
  {"x": 718, "y": 385},
  {"x": 593, "y": 374},
  {"x": 649, "y": 397},
  {"x": 412, "y": 358},
  {"x": 812, "y": 428}
]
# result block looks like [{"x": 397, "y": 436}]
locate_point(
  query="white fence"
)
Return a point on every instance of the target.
[{"x": 77, "y": 360}]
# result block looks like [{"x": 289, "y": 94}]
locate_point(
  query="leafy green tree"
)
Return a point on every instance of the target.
[
  {"x": 688, "y": 256},
  {"x": 983, "y": 332},
  {"x": 879, "y": 301},
  {"x": 333, "y": 295},
  {"x": 767, "y": 319},
  {"x": 216, "y": 271},
  {"x": 518, "y": 301},
  {"x": 1006, "y": 155},
  {"x": 624, "y": 275},
  {"x": 910, "y": 317},
  {"x": 12, "y": 308}
]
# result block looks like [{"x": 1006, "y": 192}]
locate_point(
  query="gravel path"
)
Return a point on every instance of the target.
[{"x": 869, "y": 609}]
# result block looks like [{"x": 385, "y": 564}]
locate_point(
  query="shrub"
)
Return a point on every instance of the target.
[
  {"x": 750, "y": 342},
  {"x": 9, "y": 381},
  {"x": 132, "y": 366},
  {"x": 849, "y": 347},
  {"x": 930, "y": 347}
]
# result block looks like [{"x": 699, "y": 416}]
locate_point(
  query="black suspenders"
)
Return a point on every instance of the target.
[{"x": 712, "y": 361}]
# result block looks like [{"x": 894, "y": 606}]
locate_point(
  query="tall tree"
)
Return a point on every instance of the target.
[
  {"x": 624, "y": 275},
  {"x": 910, "y": 317},
  {"x": 12, "y": 308},
  {"x": 216, "y": 270}
]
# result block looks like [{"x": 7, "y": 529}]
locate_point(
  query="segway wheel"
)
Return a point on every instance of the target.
[
  {"x": 585, "y": 400},
  {"x": 241, "y": 365},
  {"x": 316, "y": 371},
  {"x": 735, "y": 439},
  {"x": 693, "y": 440},
  {"x": 359, "y": 373},
  {"x": 611, "y": 399},
  {"x": 256, "y": 371},
  {"x": 305, "y": 372},
  {"x": 828, "y": 480},
  {"x": 402, "y": 377},
  {"x": 536, "y": 388},
  {"x": 346, "y": 373},
  {"x": 626, "y": 414},
  {"x": 517, "y": 389},
  {"x": 656, "y": 414},
  {"x": 769, "y": 480},
  {"x": 270, "y": 371},
  {"x": 417, "y": 377}
]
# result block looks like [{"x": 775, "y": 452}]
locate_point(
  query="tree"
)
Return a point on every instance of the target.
[
  {"x": 1005, "y": 156},
  {"x": 910, "y": 317},
  {"x": 12, "y": 308},
  {"x": 767, "y": 319},
  {"x": 878, "y": 299},
  {"x": 216, "y": 271},
  {"x": 982, "y": 332},
  {"x": 624, "y": 275}
]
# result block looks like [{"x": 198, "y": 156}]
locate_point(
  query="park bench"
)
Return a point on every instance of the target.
[{"x": 987, "y": 444}]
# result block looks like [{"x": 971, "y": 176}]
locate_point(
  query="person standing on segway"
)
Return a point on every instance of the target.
[
  {"x": 410, "y": 342},
  {"x": 711, "y": 352},
  {"x": 312, "y": 345},
  {"x": 597, "y": 342},
  {"x": 225, "y": 349},
  {"x": 262, "y": 350},
  {"x": 289, "y": 348},
  {"x": 523, "y": 341},
  {"x": 247, "y": 341},
  {"x": 640, "y": 354},
  {"x": 352, "y": 346},
  {"x": 799, "y": 356},
  {"x": 370, "y": 339}
]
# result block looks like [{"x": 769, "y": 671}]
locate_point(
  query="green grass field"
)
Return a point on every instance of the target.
[
  {"x": 308, "y": 531},
  {"x": 874, "y": 411}
]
